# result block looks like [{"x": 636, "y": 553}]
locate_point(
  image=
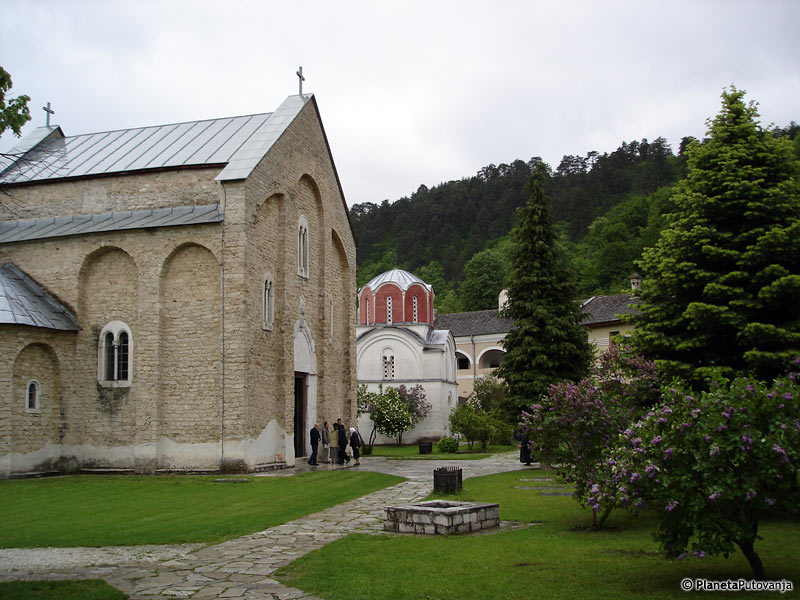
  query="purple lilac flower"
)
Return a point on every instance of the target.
[
  {"x": 715, "y": 451},
  {"x": 650, "y": 470},
  {"x": 671, "y": 505},
  {"x": 681, "y": 556},
  {"x": 747, "y": 439},
  {"x": 635, "y": 477},
  {"x": 780, "y": 452},
  {"x": 699, "y": 554},
  {"x": 661, "y": 421},
  {"x": 595, "y": 489},
  {"x": 751, "y": 494},
  {"x": 695, "y": 412},
  {"x": 787, "y": 396},
  {"x": 656, "y": 440},
  {"x": 722, "y": 428},
  {"x": 727, "y": 413},
  {"x": 668, "y": 453},
  {"x": 715, "y": 496},
  {"x": 707, "y": 437},
  {"x": 769, "y": 502},
  {"x": 666, "y": 410}
]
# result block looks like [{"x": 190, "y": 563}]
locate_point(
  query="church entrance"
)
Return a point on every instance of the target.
[{"x": 299, "y": 415}]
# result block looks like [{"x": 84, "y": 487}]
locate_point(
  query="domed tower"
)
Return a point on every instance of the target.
[
  {"x": 397, "y": 344},
  {"x": 395, "y": 297}
]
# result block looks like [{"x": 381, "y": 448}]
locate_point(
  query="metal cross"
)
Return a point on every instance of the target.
[
  {"x": 49, "y": 112},
  {"x": 302, "y": 79}
]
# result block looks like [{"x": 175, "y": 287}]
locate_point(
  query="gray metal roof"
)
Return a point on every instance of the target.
[
  {"x": 34, "y": 229},
  {"x": 479, "y": 322},
  {"x": 24, "y": 302},
  {"x": 402, "y": 278},
  {"x": 237, "y": 142}
]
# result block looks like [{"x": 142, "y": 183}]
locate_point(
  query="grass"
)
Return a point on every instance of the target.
[
  {"x": 121, "y": 510},
  {"x": 557, "y": 558},
  {"x": 84, "y": 589},
  {"x": 412, "y": 452}
]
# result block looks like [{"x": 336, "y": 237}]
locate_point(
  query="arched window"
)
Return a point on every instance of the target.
[
  {"x": 388, "y": 310},
  {"x": 115, "y": 353},
  {"x": 366, "y": 316},
  {"x": 33, "y": 393},
  {"x": 268, "y": 303},
  {"x": 388, "y": 363},
  {"x": 302, "y": 247},
  {"x": 415, "y": 309}
]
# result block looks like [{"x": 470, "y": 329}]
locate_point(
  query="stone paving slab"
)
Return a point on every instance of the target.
[{"x": 241, "y": 568}]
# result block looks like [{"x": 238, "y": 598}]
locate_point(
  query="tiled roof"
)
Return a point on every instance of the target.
[
  {"x": 474, "y": 323},
  {"x": 24, "y": 302},
  {"x": 402, "y": 278},
  {"x": 606, "y": 309},
  {"x": 33, "y": 229},
  {"x": 239, "y": 143}
]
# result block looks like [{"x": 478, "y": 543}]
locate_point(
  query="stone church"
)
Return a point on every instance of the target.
[
  {"x": 398, "y": 344},
  {"x": 176, "y": 297}
]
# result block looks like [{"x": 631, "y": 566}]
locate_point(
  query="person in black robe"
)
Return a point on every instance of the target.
[
  {"x": 355, "y": 444},
  {"x": 342, "y": 443},
  {"x": 525, "y": 450},
  {"x": 315, "y": 437}
]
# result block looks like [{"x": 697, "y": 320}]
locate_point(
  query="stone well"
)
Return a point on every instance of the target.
[{"x": 441, "y": 517}]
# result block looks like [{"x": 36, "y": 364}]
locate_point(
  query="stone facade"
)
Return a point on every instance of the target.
[{"x": 211, "y": 387}]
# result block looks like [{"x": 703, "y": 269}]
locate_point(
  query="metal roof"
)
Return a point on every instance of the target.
[
  {"x": 607, "y": 309},
  {"x": 237, "y": 142},
  {"x": 479, "y": 322},
  {"x": 402, "y": 278},
  {"x": 35, "y": 229},
  {"x": 24, "y": 302}
]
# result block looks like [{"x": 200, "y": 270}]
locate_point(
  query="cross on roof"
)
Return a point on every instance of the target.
[
  {"x": 301, "y": 78},
  {"x": 49, "y": 112}
]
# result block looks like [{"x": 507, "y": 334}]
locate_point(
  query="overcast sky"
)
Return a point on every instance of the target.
[{"x": 409, "y": 92}]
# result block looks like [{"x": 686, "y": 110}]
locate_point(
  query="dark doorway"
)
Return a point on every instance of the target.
[{"x": 299, "y": 414}]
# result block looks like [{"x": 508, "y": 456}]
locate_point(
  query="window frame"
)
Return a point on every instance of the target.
[
  {"x": 268, "y": 302},
  {"x": 111, "y": 356},
  {"x": 37, "y": 407},
  {"x": 302, "y": 247}
]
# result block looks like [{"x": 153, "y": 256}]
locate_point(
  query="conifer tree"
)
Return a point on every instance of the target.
[
  {"x": 721, "y": 287},
  {"x": 547, "y": 344}
]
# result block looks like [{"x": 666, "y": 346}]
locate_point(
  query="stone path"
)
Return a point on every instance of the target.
[{"x": 239, "y": 568}]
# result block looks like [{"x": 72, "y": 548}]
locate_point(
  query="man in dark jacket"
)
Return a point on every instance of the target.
[
  {"x": 315, "y": 436},
  {"x": 342, "y": 443}
]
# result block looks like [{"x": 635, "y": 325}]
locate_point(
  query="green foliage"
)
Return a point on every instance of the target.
[
  {"x": 721, "y": 287},
  {"x": 447, "y": 445},
  {"x": 714, "y": 465},
  {"x": 130, "y": 510},
  {"x": 393, "y": 410},
  {"x": 548, "y": 343},
  {"x": 576, "y": 424},
  {"x": 477, "y": 424},
  {"x": 14, "y": 112},
  {"x": 485, "y": 275}
]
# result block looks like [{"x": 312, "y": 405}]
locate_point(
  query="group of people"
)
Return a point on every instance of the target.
[{"x": 334, "y": 443}]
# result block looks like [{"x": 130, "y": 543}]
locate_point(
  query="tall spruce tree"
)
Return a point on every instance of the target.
[
  {"x": 547, "y": 344},
  {"x": 722, "y": 285}
]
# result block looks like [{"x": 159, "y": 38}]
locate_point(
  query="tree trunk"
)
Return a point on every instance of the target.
[{"x": 755, "y": 562}]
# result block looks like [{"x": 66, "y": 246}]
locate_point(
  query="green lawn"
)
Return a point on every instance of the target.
[
  {"x": 128, "y": 510},
  {"x": 85, "y": 589},
  {"x": 412, "y": 452},
  {"x": 558, "y": 558}
]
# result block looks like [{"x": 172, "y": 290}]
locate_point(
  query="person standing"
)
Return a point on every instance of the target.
[
  {"x": 315, "y": 437},
  {"x": 342, "y": 443},
  {"x": 355, "y": 444},
  {"x": 334, "y": 452},
  {"x": 326, "y": 442}
]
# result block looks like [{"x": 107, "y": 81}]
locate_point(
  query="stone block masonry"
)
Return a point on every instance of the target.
[{"x": 437, "y": 517}]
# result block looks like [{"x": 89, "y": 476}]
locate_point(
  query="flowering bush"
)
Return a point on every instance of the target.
[
  {"x": 577, "y": 424},
  {"x": 393, "y": 411},
  {"x": 713, "y": 465}
]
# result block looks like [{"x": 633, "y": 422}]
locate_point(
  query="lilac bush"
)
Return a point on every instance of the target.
[
  {"x": 713, "y": 464},
  {"x": 577, "y": 424}
]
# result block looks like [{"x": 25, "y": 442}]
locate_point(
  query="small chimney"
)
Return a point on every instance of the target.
[
  {"x": 636, "y": 281},
  {"x": 502, "y": 300}
]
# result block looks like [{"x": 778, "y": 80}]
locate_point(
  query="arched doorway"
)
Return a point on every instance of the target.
[{"x": 305, "y": 387}]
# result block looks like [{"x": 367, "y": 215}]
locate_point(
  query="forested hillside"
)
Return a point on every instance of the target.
[{"x": 608, "y": 206}]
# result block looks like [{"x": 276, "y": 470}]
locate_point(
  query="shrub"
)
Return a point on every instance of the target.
[
  {"x": 447, "y": 445},
  {"x": 713, "y": 465}
]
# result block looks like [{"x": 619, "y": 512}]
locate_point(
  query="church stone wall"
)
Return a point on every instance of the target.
[{"x": 139, "y": 191}]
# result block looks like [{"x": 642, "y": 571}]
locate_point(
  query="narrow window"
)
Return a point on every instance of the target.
[
  {"x": 388, "y": 310},
  {"x": 388, "y": 366},
  {"x": 366, "y": 315},
  {"x": 268, "y": 303},
  {"x": 415, "y": 309},
  {"x": 302, "y": 247},
  {"x": 109, "y": 356},
  {"x": 32, "y": 394},
  {"x": 122, "y": 356}
]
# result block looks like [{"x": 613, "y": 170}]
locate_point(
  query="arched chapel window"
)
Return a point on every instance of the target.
[
  {"x": 388, "y": 310},
  {"x": 33, "y": 392},
  {"x": 115, "y": 352},
  {"x": 388, "y": 364},
  {"x": 366, "y": 316},
  {"x": 415, "y": 309},
  {"x": 302, "y": 247}
]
